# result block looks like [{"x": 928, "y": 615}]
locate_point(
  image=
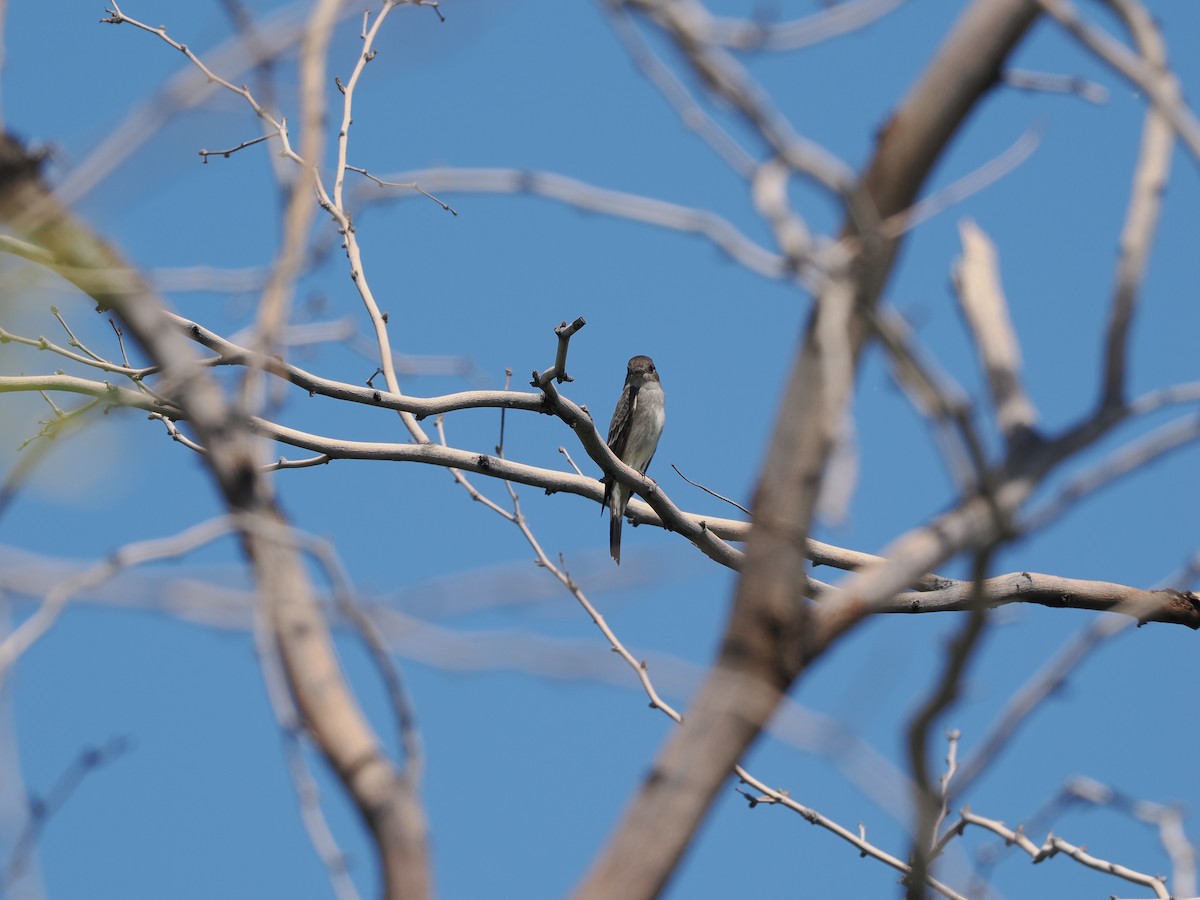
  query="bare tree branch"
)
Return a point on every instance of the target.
[
  {"x": 1149, "y": 184},
  {"x": 929, "y": 800},
  {"x": 329, "y": 709},
  {"x": 1159, "y": 84},
  {"x": 770, "y": 638},
  {"x": 1053, "y": 846},
  {"x": 782, "y": 618},
  {"x": 933, "y": 593},
  {"x": 981, "y": 299}
]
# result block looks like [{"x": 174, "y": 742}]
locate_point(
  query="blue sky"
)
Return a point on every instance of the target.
[{"x": 535, "y": 735}]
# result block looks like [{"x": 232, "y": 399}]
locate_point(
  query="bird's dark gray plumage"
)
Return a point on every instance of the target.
[{"x": 633, "y": 436}]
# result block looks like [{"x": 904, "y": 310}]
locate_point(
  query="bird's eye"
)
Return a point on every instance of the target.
[{"x": 652, "y": 368}]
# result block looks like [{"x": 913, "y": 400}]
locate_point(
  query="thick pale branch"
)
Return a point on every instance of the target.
[
  {"x": 111, "y": 393},
  {"x": 981, "y": 299},
  {"x": 235, "y": 355},
  {"x": 1145, "y": 203},
  {"x": 768, "y": 641},
  {"x": 927, "y": 593},
  {"x": 658, "y": 511},
  {"x": 1165, "y": 605},
  {"x": 338, "y": 726}
]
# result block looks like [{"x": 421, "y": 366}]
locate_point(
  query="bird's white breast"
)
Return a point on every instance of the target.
[{"x": 646, "y": 424}]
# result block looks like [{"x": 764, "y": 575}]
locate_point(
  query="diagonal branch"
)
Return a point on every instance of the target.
[
  {"x": 769, "y": 639},
  {"x": 385, "y": 800},
  {"x": 1159, "y": 84},
  {"x": 1145, "y": 203}
]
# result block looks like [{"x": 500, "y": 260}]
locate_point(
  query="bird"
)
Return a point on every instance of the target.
[{"x": 637, "y": 424}]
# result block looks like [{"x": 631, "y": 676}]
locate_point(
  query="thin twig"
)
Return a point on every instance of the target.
[
  {"x": 709, "y": 491},
  {"x": 408, "y": 185},
  {"x": 1025, "y": 80},
  {"x": 1053, "y": 846},
  {"x": 205, "y": 154}
]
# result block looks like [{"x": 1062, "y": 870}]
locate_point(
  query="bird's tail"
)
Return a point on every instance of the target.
[{"x": 614, "y": 536}]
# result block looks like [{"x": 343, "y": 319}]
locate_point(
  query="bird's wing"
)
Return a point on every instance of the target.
[
  {"x": 618, "y": 433},
  {"x": 618, "y": 429}
]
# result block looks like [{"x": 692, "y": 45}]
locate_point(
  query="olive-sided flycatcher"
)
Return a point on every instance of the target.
[{"x": 633, "y": 436}]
